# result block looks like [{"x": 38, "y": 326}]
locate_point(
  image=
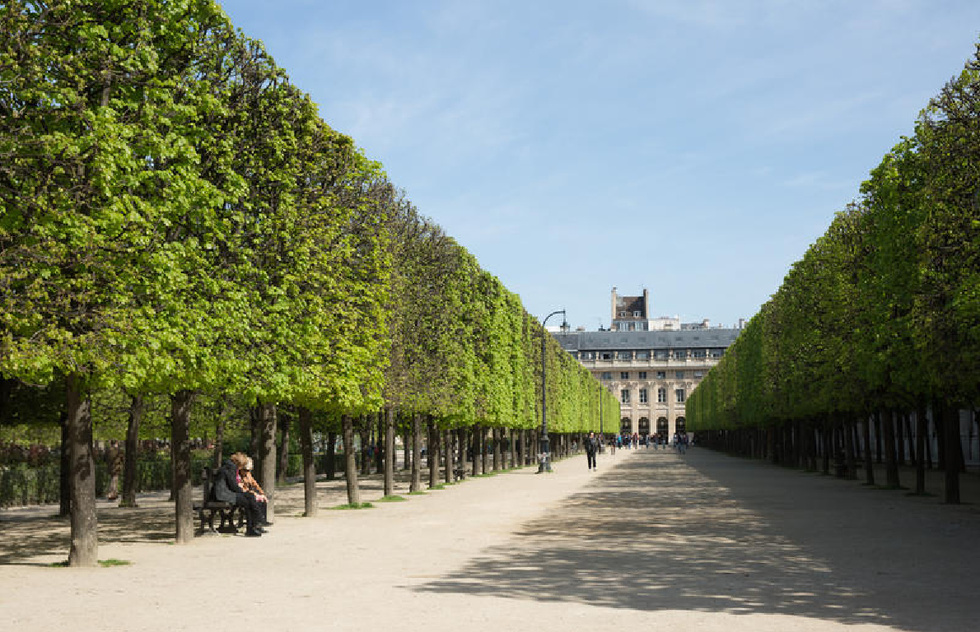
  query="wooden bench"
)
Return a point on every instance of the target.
[{"x": 208, "y": 508}]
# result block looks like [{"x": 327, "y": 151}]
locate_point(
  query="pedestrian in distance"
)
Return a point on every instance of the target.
[{"x": 591, "y": 445}]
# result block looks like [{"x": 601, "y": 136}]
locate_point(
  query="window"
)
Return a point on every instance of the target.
[
  {"x": 680, "y": 395},
  {"x": 642, "y": 375},
  {"x": 661, "y": 375},
  {"x": 624, "y": 355},
  {"x": 606, "y": 375},
  {"x": 661, "y": 395},
  {"x": 624, "y": 375},
  {"x": 606, "y": 355},
  {"x": 699, "y": 354},
  {"x": 587, "y": 355},
  {"x": 680, "y": 354},
  {"x": 660, "y": 354},
  {"x": 636, "y": 314},
  {"x": 642, "y": 355},
  {"x": 679, "y": 375},
  {"x": 643, "y": 396},
  {"x": 717, "y": 353},
  {"x": 624, "y": 396},
  {"x": 698, "y": 375}
]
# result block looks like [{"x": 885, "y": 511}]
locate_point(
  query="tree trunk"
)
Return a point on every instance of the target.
[
  {"x": 180, "y": 450},
  {"x": 849, "y": 459},
  {"x": 350, "y": 463},
  {"x": 827, "y": 441},
  {"x": 878, "y": 437},
  {"x": 463, "y": 447},
  {"x": 406, "y": 448},
  {"x": 869, "y": 470},
  {"x": 131, "y": 452},
  {"x": 433, "y": 453},
  {"x": 484, "y": 452},
  {"x": 309, "y": 467},
  {"x": 389, "y": 422},
  {"x": 888, "y": 438},
  {"x": 497, "y": 461},
  {"x": 512, "y": 456},
  {"x": 954, "y": 454},
  {"x": 447, "y": 459},
  {"x": 283, "y": 459},
  {"x": 921, "y": 432},
  {"x": 266, "y": 461},
  {"x": 475, "y": 448},
  {"x": 84, "y": 522},
  {"x": 64, "y": 492},
  {"x": 416, "y": 481}
]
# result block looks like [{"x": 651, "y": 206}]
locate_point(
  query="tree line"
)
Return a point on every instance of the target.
[
  {"x": 179, "y": 222},
  {"x": 878, "y": 324}
]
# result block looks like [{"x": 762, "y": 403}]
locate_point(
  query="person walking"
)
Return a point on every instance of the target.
[{"x": 590, "y": 450}]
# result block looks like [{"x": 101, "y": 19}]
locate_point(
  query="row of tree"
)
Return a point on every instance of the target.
[
  {"x": 881, "y": 316},
  {"x": 178, "y": 221}
]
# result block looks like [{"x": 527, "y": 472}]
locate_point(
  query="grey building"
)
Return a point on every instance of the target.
[{"x": 652, "y": 372}]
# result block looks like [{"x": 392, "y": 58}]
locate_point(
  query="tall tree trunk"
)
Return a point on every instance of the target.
[
  {"x": 131, "y": 452},
  {"x": 828, "y": 448},
  {"x": 416, "y": 483},
  {"x": 463, "y": 447},
  {"x": 921, "y": 432},
  {"x": 433, "y": 452},
  {"x": 496, "y": 449},
  {"x": 849, "y": 459},
  {"x": 389, "y": 422},
  {"x": 888, "y": 438},
  {"x": 266, "y": 461},
  {"x": 309, "y": 467},
  {"x": 869, "y": 470},
  {"x": 84, "y": 522},
  {"x": 910, "y": 437},
  {"x": 954, "y": 454},
  {"x": 475, "y": 446},
  {"x": 379, "y": 452},
  {"x": 512, "y": 456},
  {"x": 283, "y": 450},
  {"x": 878, "y": 437},
  {"x": 447, "y": 459},
  {"x": 64, "y": 492},
  {"x": 180, "y": 450},
  {"x": 350, "y": 463},
  {"x": 484, "y": 460},
  {"x": 406, "y": 450}
]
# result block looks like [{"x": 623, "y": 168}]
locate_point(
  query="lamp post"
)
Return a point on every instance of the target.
[{"x": 545, "y": 460}]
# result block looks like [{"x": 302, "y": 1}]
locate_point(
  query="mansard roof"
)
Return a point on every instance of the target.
[{"x": 685, "y": 339}]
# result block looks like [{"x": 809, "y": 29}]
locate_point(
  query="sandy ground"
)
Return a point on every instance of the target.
[{"x": 652, "y": 540}]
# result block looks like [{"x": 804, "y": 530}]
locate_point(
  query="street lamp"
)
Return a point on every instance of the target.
[{"x": 544, "y": 464}]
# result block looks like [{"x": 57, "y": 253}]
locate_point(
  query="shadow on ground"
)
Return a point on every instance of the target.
[{"x": 656, "y": 533}]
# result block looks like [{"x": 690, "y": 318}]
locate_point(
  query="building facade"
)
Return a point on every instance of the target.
[{"x": 652, "y": 368}]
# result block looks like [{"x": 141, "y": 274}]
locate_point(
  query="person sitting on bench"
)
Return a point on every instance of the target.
[
  {"x": 251, "y": 486},
  {"x": 226, "y": 488}
]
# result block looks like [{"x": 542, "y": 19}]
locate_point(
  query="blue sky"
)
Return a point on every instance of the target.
[{"x": 693, "y": 147}]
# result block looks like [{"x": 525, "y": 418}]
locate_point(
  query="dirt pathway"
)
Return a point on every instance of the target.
[{"x": 653, "y": 540}]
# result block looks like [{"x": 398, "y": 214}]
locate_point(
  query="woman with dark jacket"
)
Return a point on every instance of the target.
[{"x": 226, "y": 489}]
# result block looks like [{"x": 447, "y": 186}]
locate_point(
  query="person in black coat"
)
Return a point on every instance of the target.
[
  {"x": 591, "y": 446},
  {"x": 226, "y": 489}
]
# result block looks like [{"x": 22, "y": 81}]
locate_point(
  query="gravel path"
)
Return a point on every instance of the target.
[{"x": 652, "y": 540}]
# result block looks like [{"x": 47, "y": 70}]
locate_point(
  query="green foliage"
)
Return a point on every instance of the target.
[{"x": 883, "y": 310}]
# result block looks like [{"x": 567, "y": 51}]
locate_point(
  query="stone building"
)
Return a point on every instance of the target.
[{"x": 652, "y": 365}]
